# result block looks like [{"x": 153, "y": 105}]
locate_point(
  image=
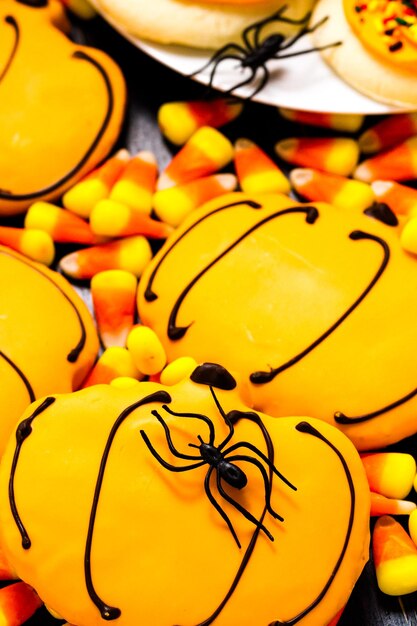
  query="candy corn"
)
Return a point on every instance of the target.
[
  {"x": 114, "y": 300},
  {"x": 336, "y": 156},
  {"x": 131, "y": 254},
  {"x": 137, "y": 183},
  {"x": 124, "y": 382},
  {"x": 179, "y": 120},
  {"x": 96, "y": 186},
  {"x": 390, "y": 473},
  {"x": 113, "y": 363},
  {"x": 337, "y": 121},
  {"x": 412, "y": 526},
  {"x": 35, "y": 244},
  {"x": 18, "y": 603},
  {"x": 177, "y": 370},
  {"x": 174, "y": 204},
  {"x": 63, "y": 226},
  {"x": 336, "y": 190},
  {"x": 81, "y": 8},
  {"x": 400, "y": 198},
  {"x": 399, "y": 163},
  {"x": 380, "y": 505},
  {"x": 388, "y": 133},
  {"x": 206, "y": 152},
  {"x": 395, "y": 558},
  {"x": 408, "y": 237},
  {"x": 146, "y": 349},
  {"x": 256, "y": 172},
  {"x": 114, "y": 219}
]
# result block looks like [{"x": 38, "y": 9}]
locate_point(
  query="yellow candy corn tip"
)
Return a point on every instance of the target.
[
  {"x": 412, "y": 526},
  {"x": 178, "y": 370},
  {"x": 38, "y": 246},
  {"x": 213, "y": 144},
  {"x": 408, "y": 237},
  {"x": 272, "y": 181},
  {"x": 135, "y": 254},
  {"x": 398, "y": 576},
  {"x": 124, "y": 382},
  {"x": 343, "y": 157},
  {"x": 82, "y": 198},
  {"x": 172, "y": 205},
  {"x": 120, "y": 360},
  {"x": 109, "y": 218},
  {"x": 398, "y": 475},
  {"x": 127, "y": 192},
  {"x": 109, "y": 280},
  {"x": 146, "y": 349},
  {"x": 176, "y": 122},
  {"x": 42, "y": 216}
]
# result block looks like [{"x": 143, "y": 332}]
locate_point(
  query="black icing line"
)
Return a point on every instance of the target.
[
  {"x": 79, "y": 54},
  {"x": 305, "y": 427},
  {"x": 150, "y": 295},
  {"x": 260, "y": 377},
  {"x": 177, "y": 332}
]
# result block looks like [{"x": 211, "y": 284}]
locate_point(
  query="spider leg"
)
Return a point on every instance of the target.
[
  {"x": 197, "y": 416},
  {"x": 267, "y": 482},
  {"x": 304, "y": 31},
  {"x": 243, "y": 82},
  {"x": 264, "y": 458},
  {"x": 278, "y": 17},
  {"x": 296, "y": 54},
  {"x": 171, "y": 446},
  {"x": 242, "y": 509},
  {"x": 263, "y": 82},
  {"x": 218, "y": 507},
  {"x": 219, "y": 55},
  {"x": 168, "y": 466}
]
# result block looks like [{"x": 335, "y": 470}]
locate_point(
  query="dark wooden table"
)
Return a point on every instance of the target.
[{"x": 150, "y": 85}]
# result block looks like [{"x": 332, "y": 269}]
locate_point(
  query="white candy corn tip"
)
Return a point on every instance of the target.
[
  {"x": 363, "y": 173},
  {"x": 69, "y": 264},
  {"x": 147, "y": 156},
  {"x": 381, "y": 187},
  {"x": 301, "y": 176},
  {"x": 164, "y": 182},
  {"x": 243, "y": 144}
]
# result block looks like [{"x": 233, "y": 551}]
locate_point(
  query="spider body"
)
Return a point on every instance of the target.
[
  {"x": 229, "y": 472},
  {"x": 221, "y": 462},
  {"x": 254, "y": 52}
]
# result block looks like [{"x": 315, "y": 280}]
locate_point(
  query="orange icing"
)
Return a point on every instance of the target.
[
  {"x": 328, "y": 320},
  {"x": 161, "y": 553},
  {"x": 39, "y": 329},
  {"x": 388, "y": 28},
  {"x": 61, "y": 105}
]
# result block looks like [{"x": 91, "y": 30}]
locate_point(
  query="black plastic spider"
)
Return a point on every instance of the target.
[
  {"x": 254, "y": 53},
  {"x": 218, "y": 458}
]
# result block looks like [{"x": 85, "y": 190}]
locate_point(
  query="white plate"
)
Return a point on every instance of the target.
[{"x": 305, "y": 83}]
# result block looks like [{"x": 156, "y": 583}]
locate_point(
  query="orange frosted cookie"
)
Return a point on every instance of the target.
[
  {"x": 48, "y": 341},
  {"x": 378, "y": 55},
  {"x": 179, "y": 505},
  {"x": 202, "y": 24},
  {"x": 314, "y": 305},
  {"x": 61, "y": 105}
]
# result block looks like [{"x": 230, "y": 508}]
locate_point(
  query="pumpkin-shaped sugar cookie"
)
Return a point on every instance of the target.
[
  {"x": 315, "y": 306},
  {"x": 201, "y": 24},
  {"x": 178, "y": 505},
  {"x": 61, "y": 105},
  {"x": 48, "y": 341},
  {"x": 378, "y": 51}
]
